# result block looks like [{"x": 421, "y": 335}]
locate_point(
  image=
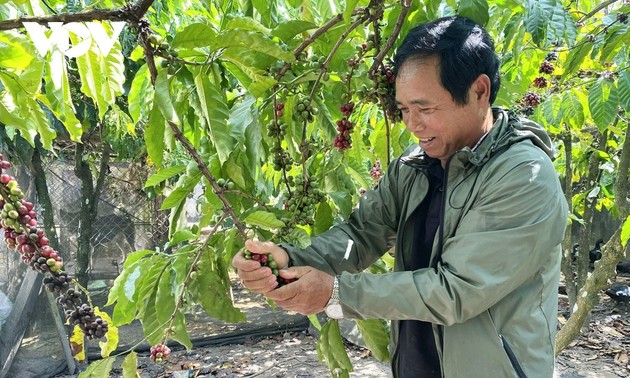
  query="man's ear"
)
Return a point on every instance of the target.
[{"x": 481, "y": 88}]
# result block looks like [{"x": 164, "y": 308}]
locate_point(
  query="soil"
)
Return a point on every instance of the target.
[{"x": 276, "y": 344}]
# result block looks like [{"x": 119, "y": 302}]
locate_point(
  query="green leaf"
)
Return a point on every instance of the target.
[
  {"x": 476, "y": 10},
  {"x": 245, "y": 128},
  {"x": 141, "y": 89},
  {"x": 299, "y": 237},
  {"x": 359, "y": 172},
  {"x": 264, "y": 219},
  {"x": 537, "y": 14},
  {"x": 215, "y": 113},
  {"x": 13, "y": 53},
  {"x": 576, "y": 57},
  {"x": 331, "y": 350},
  {"x": 248, "y": 23},
  {"x": 256, "y": 81},
  {"x": 623, "y": 86},
  {"x": 208, "y": 290},
  {"x": 164, "y": 174},
  {"x": 102, "y": 77},
  {"x": 234, "y": 170},
  {"x": 130, "y": 365},
  {"x": 180, "y": 236},
  {"x": 376, "y": 337},
  {"x": 347, "y": 12},
  {"x": 613, "y": 42},
  {"x": 99, "y": 368},
  {"x": 625, "y": 232},
  {"x": 194, "y": 35},
  {"x": 315, "y": 322},
  {"x": 163, "y": 98},
  {"x": 343, "y": 201},
  {"x": 181, "y": 192},
  {"x": 151, "y": 327},
  {"x": 289, "y": 29},
  {"x": 180, "y": 333},
  {"x": 323, "y": 218},
  {"x": 154, "y": 136},
  {"x": 573, "y": 111},
  {"x": 165, "y": 298},
  {"x": 603, "y": 100},
  {"x": 254, "y": 41}
]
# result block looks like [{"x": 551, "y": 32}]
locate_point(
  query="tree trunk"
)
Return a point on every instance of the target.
[
  {"x": 43, "y": 198},
  {"x": 588, "y": 296},
  {"x": 90, "y": 195},
  {"x": 567, "y": 244}
]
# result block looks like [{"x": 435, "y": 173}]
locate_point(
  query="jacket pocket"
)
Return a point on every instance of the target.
[{"x": 512, "y": 357}]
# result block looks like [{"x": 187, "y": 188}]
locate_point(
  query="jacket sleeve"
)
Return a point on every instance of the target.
[
  {"x": 367, "y": 235},
  {"x": 510, "y": 231}
]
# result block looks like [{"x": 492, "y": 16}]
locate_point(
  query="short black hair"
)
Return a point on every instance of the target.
[{"x": 464, "y": 48}]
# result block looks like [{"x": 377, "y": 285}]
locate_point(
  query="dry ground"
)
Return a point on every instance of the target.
[{"x": 601, "y": 352}]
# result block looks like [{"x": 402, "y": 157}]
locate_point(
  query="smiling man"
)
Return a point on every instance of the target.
[{"x": 476, "y": 214}]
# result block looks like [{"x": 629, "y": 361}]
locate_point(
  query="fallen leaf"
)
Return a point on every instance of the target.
[{"x": 622, "y": 358}]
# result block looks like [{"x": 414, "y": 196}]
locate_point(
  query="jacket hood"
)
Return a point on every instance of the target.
[{"x": 508, "y": 129}]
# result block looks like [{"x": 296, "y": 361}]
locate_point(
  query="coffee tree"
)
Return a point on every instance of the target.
[{"x": 284, "y": 111}]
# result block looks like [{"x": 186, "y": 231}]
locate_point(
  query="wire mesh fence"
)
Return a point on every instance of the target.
[{"x": 126, "y": 219}]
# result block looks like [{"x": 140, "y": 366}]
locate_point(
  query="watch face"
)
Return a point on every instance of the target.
[{"x": 334, "y": 311}]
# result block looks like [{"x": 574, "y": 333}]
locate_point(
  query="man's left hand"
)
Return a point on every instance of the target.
[{"x": 308, "y": 295}]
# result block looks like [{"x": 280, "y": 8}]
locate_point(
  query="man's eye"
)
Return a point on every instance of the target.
[{"x": 403, "y": 110}]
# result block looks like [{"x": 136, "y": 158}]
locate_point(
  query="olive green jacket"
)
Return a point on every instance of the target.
[{"x": 491, "y": 288}]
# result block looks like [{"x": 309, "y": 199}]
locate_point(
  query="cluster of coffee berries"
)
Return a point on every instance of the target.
[
  {"x": 268, "y": 260},
  {"x": 385, "y": 90},
  {"x": 540, "y": 82},
  {"x": 308, "y": 147},
  {"x": 531, "y": 99},
  {"x": 59, "y": 282},
  {"x": 159, "y": 352},
  {"x": 304, "y": 197},
  {"x": 385, "y": 80},
  {"x": 277, "y": 129},
  {"x": 226, "y": 184},
  {"x": 281, "y": 158},
  {"x": 304, "y": 111},
  {"x": 622, "y": 18},
  {"x": 19, "y": 225},
  {"x": 162, "y": 48},
  {"x": 93, "y": 326},
  {"x": 377, "y": 171},
  {"x": 546, "y": 67},
  {"x": 343, "y": 141}
]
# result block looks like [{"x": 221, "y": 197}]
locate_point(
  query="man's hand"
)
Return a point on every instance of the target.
[
  {"x": 308, "y": 295},
  {"x": 255, "y": 277}
]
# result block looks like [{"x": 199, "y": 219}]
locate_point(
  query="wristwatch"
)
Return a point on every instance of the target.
[{"x": 333, "y": 308}]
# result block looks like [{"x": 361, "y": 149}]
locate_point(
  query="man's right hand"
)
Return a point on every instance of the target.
[{"x": 255, "y": 277}]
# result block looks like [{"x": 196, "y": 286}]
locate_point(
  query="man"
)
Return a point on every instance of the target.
[{"x": 477, "y": 216}]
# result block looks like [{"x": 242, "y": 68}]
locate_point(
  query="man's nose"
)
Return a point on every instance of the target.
[{"x": 413, "y": 122}]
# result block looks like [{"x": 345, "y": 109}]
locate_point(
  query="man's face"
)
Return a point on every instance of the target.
[{"x": 430, "y": 113}]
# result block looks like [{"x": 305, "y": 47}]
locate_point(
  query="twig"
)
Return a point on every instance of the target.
[
  {"x": 130, "y": 13},
  {"x": 392, "y": 38},
  {"x": 316, "y": 34},
  {"x": 596, "y": 9}
]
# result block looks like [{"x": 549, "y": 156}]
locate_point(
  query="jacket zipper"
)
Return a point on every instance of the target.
[{"x": 512, "y": 357}]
